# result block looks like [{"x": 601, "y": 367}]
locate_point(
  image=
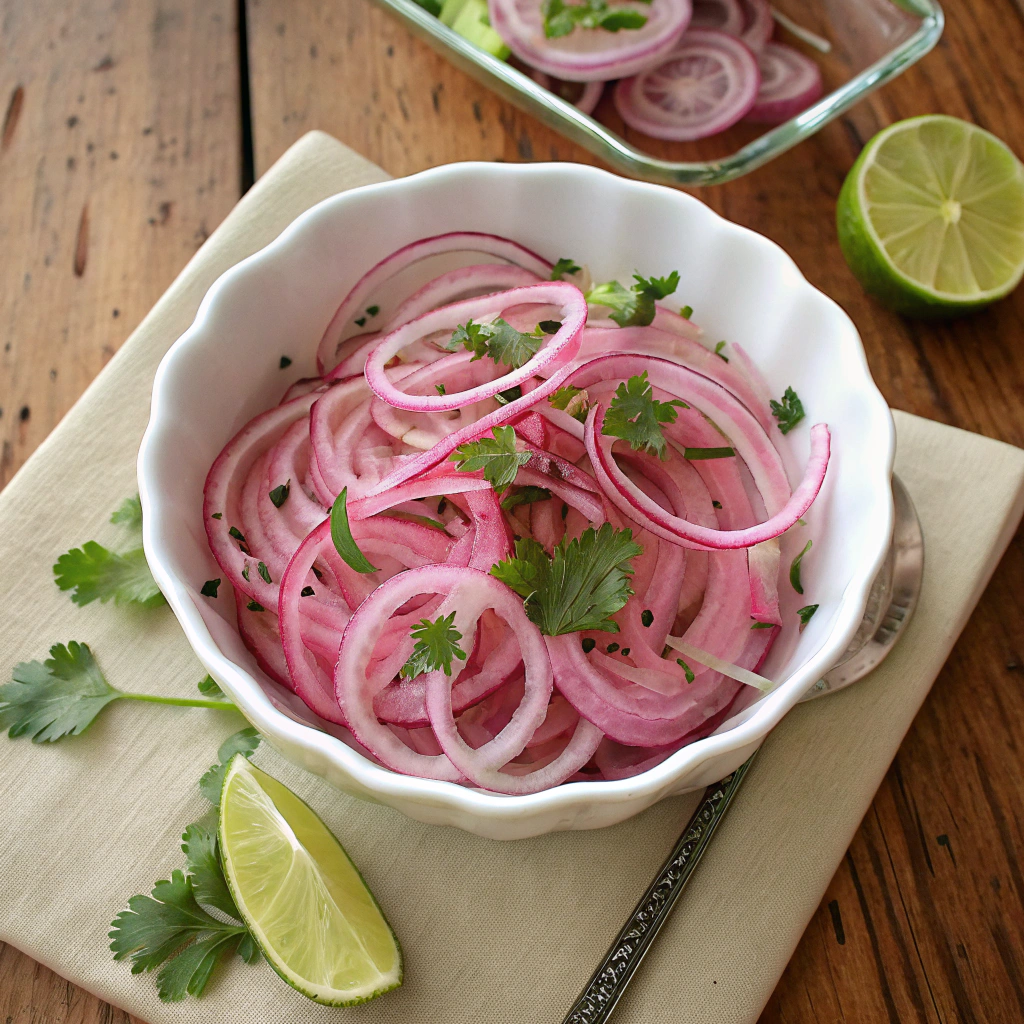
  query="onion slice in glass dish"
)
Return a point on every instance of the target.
[
  {"x": 582, "y": 95},
  {"x": 590, "y": 54},
  {"x": 790, "y": 82},
  {"x": 705, "y": 85},
  {"x": 723, "y": 15},
  {"x": 758, "y": 24}
]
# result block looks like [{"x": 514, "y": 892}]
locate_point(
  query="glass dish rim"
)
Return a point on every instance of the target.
[{"x": 557, "y": 113}]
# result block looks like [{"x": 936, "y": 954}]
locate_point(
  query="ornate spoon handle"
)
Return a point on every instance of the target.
[{"x": 597, "y": 1001}]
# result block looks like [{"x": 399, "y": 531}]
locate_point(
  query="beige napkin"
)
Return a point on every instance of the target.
[{"x": 492, "y": 932}]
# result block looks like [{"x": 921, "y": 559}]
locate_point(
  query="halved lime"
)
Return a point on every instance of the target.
[
  {"x": 931, "y": 217},
  {"x": 303, "y": 899}
]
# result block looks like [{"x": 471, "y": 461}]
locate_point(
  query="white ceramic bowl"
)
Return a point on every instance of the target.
[{"x": 743, "y": 288}]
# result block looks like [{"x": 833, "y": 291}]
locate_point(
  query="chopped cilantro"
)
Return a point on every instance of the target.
[
  {"x": 235, "y": 532},
  {"x": 718, "y": 351},
  {"x": 245, "y": 572},
  {"x": 762, "y": 625},
  {"x": 440, "y": 389},
  {"x": 549, "y": 326},
  {"x": 509, "y": 395},
  {"x": 633, "y": 307},
  {"x": 686, "y": 312},
  {"x": 564, "y": 267},
  {"x": 573, "y": 400},
  {"x": 210, "y": 588},
  {"x": 580, "y": 586},
  {"x": 625, "y": 652},
  {"x": 285, "y": 362},
  {"x": 806, "y": 612},
  {"x": 524, "y": 496},
  {"x": 789, "y": 412},
  {"x": 307, "y": 592},
  {"x": 561, "y": 18},
  {"x": 612, "y": 648},
  {"x": 687, "y": 671},
  {"x": 255, "y": 606},
  {"x": 496, "y": 456},
  {"x": 698, "y": 454},
  {"x": 499, "y": 341},
  {"x": 361, "y": 321},
  {"x": 716, "y": 504},
  {"x": 636, "y": 416},
  {"x": 217, "y": 515},
  {"x": 264, "y": 572},
  {"x": 588, "y": 643},
  {"x": 341, "y": 534},
  {"x": 647, "y": 617},
  {"x": 437, "y": 643},
  {"x": 794, "y": 569},
  {"x": 279, "y": 495},
  {"x": 372, "y": 310}
]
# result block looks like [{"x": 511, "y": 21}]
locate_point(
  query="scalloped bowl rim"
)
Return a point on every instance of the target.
[{"x": 383, "y": 784}]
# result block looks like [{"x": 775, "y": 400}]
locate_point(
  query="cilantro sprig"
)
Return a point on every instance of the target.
[
  {"x": 789, "y": 412},
  {"x": 575, "y": 401},
  {"x": 561, "y": 18},
  {"x": 63, "y": 695},
  {"x": 580, "y": 586},
  {"x": 437, "y": 644},
  {"x": 564, "y": 267},
  {"x": 636, "y": 416},
  {"x": 495, "y": 455},
  {"x": 634, "y": 306},
  {"x": 524, "y": 496},
  {"x": 95, "y": 573},
  {"x": 498, "y": 340},
  {"x": 245, "y": 742}
]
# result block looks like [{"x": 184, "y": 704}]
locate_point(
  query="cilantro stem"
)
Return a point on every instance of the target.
[{"x": 181, "y": 702}]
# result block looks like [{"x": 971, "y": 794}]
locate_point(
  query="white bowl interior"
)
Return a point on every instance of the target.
[{"x": 742, "y": 288}]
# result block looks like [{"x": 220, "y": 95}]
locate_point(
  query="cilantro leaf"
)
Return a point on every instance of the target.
[
  {"x": 524, "y": 496},
  {"x": 244, "y": 742},
  {"x": 202, "y": 864},
  {"x": 635, "y": 306},
  {"x": 208, "y": 687},
  {"x": 561, "y": 18},
  {"x": 718, "y": 351},
  {"x": 129, "y": 513},
  {"x": 575, "y": 401},
  {"x": 496, "y": 456},
  {"x": 687, "y": 671},
  {"x": 437, "y": 643},
  {"x": 279, "y": 495},
  {"x": 789, "y": 412},
  {"x": 344, "y": 542},
  {"x": 794, "y": 569},
  {"x": 95, "y": 573},
  {"x": 169, "y": 927},
  {"x": 58, "y": 698},
  {"x": 806, "y": 612},
  {"x": 580, "y": 586},
  {"x": 697, "y": 454},
  {"x": 636, "y": 416},
  {"x": 498, "y": 340},
  {"x": 210, "y": 588},
  {"x": 564, "y": 267}
]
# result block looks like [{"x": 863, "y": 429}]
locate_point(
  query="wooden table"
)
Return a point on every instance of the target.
[{"x": 127, "y": 132}]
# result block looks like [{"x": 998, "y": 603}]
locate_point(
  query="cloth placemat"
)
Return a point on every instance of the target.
[{"x": 497, "y": 932}]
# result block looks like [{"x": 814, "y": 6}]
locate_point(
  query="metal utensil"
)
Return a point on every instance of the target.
[{"x": 891, "y": 604}]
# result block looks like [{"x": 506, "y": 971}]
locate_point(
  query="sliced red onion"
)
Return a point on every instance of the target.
[
  {"x": 758, "y": 23},
  {"x": 584, "y": 99},
  {"x": 589, "y": 55},
  {"x": 364, "y": 291},
  {"x": 703, "y": 86},
  {"x": 721, "y": 15},
  {"x": 790, "y": 83}
]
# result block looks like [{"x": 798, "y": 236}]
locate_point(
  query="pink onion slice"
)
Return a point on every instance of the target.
[
  {"x": 705, "y": 85},
  {"x": 556, "y": 350},
  {"x": 758, "y": 24},
  {"x": 589, "y": 55},
  {"x": 584, "y": 99},
  {"x": 790, "y": 83},
  {"x": 364, "y": 291},
  {"x": 721, "y": 15}
]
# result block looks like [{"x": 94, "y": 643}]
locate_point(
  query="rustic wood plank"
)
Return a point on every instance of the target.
[
  {"x": 120, "y": 151},
  {"x": 922, "y": 938}
]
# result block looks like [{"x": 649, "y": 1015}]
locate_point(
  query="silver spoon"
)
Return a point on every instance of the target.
[{"x": 891, "y": 604}]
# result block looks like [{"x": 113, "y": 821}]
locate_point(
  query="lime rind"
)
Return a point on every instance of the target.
[
  {"x": 305, "y": 902},
  {"x": 931, "y": 217}
]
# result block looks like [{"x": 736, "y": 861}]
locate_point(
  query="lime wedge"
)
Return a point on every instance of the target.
[
  {"x": 303, "y": 899},
  {"x": 931, "y": 217}
]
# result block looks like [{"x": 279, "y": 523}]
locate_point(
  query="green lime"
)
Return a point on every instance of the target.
[
  {"x": 303, "y": 899},
  {"x": 931, "y": 217}
]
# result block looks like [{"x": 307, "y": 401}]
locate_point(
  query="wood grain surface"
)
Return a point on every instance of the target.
[{"x": 924, "y": 921}]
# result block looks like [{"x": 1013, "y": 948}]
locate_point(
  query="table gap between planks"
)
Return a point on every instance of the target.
[{"x": 128, "y": 132}]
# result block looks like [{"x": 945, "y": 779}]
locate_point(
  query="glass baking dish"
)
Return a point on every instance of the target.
[{"x": 872, "y": 41}]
